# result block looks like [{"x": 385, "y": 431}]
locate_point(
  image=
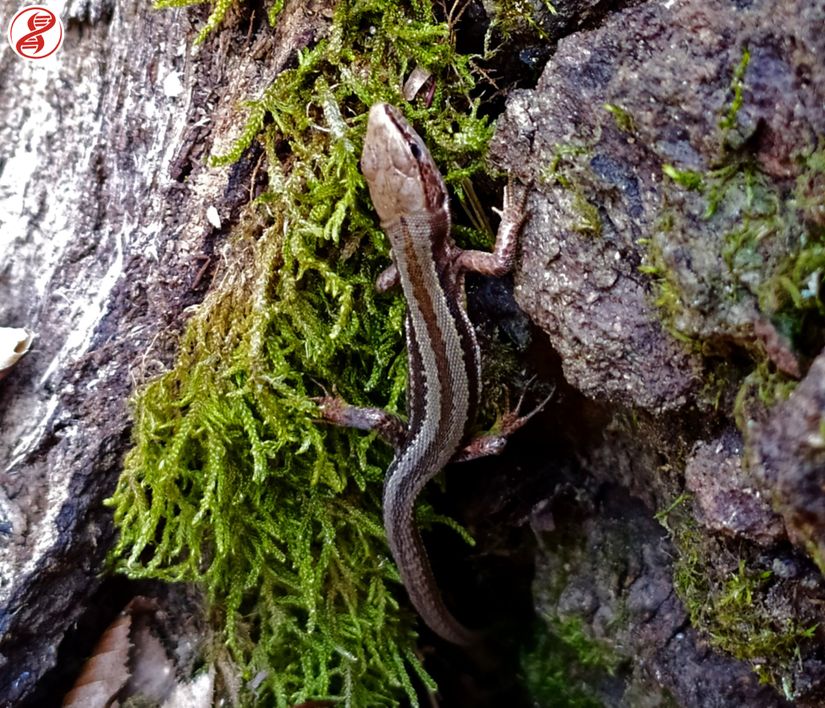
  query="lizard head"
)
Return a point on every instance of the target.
[{"x": 402, "y": 177}]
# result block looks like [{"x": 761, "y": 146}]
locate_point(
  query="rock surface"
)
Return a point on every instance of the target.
[
  {"x": 727, "y": 497},
  {"x": 674, "y": 151},
  {"x": 609, "y": 569},
  {"x": 656, "y": 86},
  {"x": 787, "y": 452}
]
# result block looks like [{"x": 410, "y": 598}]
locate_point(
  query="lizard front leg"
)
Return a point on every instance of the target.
[{"x": 500, "y": 261}]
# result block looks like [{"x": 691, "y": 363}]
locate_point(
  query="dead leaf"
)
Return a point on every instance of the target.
[
  {"x": 106, "y": 672},
  {"x": 130, "y": 664}
]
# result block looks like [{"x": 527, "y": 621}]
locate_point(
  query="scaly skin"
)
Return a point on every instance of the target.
[{"x": 444, "y": 386}]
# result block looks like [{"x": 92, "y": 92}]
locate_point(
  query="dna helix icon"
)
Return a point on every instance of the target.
[{"x": 39, "y": 23}]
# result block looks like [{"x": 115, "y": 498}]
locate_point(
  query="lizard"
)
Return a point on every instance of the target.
[{"x": 410, "y": 197}]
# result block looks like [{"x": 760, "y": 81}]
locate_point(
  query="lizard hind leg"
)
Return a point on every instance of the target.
[
  {"x": 495, "y": 442},
  {"x": 389, "y": 427}
]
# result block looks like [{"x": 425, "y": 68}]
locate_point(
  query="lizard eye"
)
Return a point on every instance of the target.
[{"x": 415, "y": 150}]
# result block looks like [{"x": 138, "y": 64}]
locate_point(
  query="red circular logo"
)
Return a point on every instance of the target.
[{"x": 35, "y": 32}]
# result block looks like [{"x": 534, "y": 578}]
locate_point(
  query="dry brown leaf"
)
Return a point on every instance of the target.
[
  {"x": 106, "y": 672},
  {"x": 130, "y": 666}
]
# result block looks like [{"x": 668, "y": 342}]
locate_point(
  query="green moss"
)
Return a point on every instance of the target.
[
  {"x": 668, "y": 296},
  {"x": 689, "y": 179},
  {"x": 769, "y": 241},
  {"x": 663, "y": 515},
  {"x": 220, "y": 9},
  {"x": 794, "y": 288},
  {"x": 737, "y": 87},
  {"x": 565, "y": 165},
  {"x": 720, "y": 385},
  {"x": 761, "y": 388},
  {"x": 770, "y": 257},
  {"x": 570, "y": 169},
  {"x": 564, "y": 663},
  {"x": 232, "y": 482},
  {"x": 621, "y": 117},
  {"x": 515, "y": 17},
  {"x": 589, "y": 221},
  {"x": 587, "y": 651},
  {"x": 731, "y": 603}
]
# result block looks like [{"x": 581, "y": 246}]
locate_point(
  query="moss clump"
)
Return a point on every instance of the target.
[
  {"x": 736, "y": 602},
  {"x": 232, "y": 482},
  {"x": 770, "y": 254},
  {"x": 737, "y": 88},
  {"x": 689, "y": 179},
  {"x": 738, "y": 256},
  {"x": 567, "y": 165},
  {"x": 563, "y": 665},
  {"x": 768, "y": 264},
  {"x": 570, "y": 169},
  {"x": 530, "y": 18},
  {"x": 220, "y": 9},
  {"x": 621, "y": 117}
]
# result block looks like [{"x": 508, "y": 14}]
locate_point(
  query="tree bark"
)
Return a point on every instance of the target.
[{"x": 104, "y": 243}]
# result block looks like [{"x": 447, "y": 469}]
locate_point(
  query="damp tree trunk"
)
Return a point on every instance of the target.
[{"x": 105, "y": 242}]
